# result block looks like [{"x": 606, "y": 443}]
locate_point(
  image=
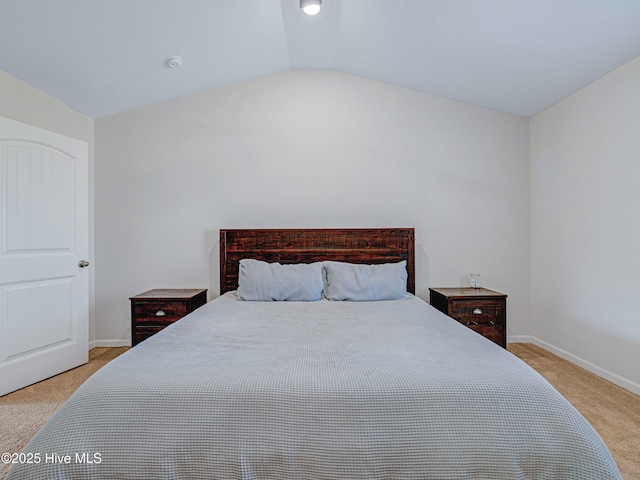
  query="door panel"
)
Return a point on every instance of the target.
[
  {"x": 25, "y": 306},
  {"x": 39, "y": 198},
  {"x": 43, "y": 236}
]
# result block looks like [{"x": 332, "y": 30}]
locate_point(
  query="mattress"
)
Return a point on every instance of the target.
[{"x": 317, "y": 390}]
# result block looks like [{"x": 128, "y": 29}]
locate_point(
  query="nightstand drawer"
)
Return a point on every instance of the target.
[
  {"x": 478, "y": 311},
  {"x": 495, "y": 333},
  {"x": 163, "y": 312},
  {"x": 154, "y": 310},
  {"x": 142, "y": 333}
]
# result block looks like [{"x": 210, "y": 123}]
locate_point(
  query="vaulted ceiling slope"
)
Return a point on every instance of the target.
[{"x": 107, "y": 56}]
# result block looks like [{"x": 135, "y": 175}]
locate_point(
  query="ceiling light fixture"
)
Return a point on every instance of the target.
[{"x": 310, "y": 7}]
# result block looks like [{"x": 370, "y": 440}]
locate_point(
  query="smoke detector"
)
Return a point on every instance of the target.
[{"x": 173, "y": 62}]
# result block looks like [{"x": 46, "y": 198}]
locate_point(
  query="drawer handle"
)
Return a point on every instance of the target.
[
  {"x": 160, "y": 313},
  {"x": 477, "y": 311},
  {"x": 471, "y": 322}
]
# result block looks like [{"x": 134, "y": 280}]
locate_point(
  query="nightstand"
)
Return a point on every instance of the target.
[
  {"x": 153, "y": 310},
  {"x": 480, "y": 309}
]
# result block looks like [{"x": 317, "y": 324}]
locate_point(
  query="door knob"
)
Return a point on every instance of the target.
[{"x": 83, "y": 263}]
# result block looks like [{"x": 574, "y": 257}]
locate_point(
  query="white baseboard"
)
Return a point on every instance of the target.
[
  {"x": 581, "y": 362},
  {"x": 109, "y": 343},
  {"x": 520, "y": 339}
]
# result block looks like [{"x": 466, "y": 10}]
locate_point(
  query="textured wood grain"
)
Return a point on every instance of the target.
[
  {"x": 359, "y": 245},
  {"x": 482, "y": 310},
  {"x": 172, "y": 303}
]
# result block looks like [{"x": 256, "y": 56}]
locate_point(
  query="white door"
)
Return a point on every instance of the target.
[{"x": 44, "y": 287}]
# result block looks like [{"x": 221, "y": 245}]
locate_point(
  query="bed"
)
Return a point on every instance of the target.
[{"x": 325, "y": 389}]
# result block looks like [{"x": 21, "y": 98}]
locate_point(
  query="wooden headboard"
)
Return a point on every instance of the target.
[{"x": 353, "y": 245}]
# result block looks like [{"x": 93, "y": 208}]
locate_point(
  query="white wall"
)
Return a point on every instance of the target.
[
  {"x": 323, "y": 149},
  {"x": 585, "y": 226},
  {"x": 21, "y": 102},
  {"x": 308, "y": 149}
]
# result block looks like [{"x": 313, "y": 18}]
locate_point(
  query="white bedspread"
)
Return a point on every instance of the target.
[{"x": 318, "y": 390}]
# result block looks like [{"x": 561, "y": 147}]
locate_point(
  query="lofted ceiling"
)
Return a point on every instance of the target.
[{"x": 102, "y": 57}]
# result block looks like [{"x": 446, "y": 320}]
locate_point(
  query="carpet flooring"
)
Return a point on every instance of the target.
[
  {"x": 613, "y": 411},
  {"x": 24, "y": 412}
]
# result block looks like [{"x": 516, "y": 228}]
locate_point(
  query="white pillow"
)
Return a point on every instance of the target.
[
  {"x": 349, "y": 281},
  {"x": 263, "y": 281}
]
